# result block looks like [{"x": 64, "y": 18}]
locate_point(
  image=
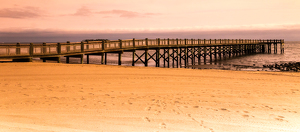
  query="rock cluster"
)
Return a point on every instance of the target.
[{"x": 291, "y": 66}]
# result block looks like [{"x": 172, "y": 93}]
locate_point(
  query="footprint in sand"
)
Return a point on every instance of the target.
[
  {"x": 148, "y": 108},
  {"x": 246, "y": 116},
  {"x": 246, "y": 112},
  {"x": 176, "y": 102},
  {"x": 146, "y": 119},
  {"x": 157, "y": 112},
  {"x": 279, "y": 119},
  {"x": 178, "y": 113},
  {"x": 162, "y": 125},
  {"x": 224, "y": 109},
  {"x": 195, "y": 106}
]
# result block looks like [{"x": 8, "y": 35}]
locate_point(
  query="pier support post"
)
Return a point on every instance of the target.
[
  {"x": 105, "y": 58},
  {"x": 102, "y": 58},
  {"x": 224, "y": 52},
  {"x": 120, "y": 58},
  {"x": 205, "y": 52},
  {"x": 178, "y": 57},
  {"x": 220, "y": 51},
  {"x": 185, "y": 57},
  {"x": 168, "y": 52},
  {"x": 275, "y": 48},
  {"x": 67, "y": 59},
  {"x": 81, "y": 58},
  {"x": 87, "y": 59},
  {"x": 230, "y": 51},
  {"x": 193, "y": 55},
  {"x": 58, "y": 59},
  {"x": 146, "y": 57},
  {"x": 199, "y": 55},
  {"x": 173, "y": 57},
  {"x": 281, "y": 48},
  {"x": 133, "y": 57},
  {"x": 157, "y": 57},
  {"x": 269, "y": 48},
  {"x": 210, "y": 55},
  {"x": 215, "y": 53}
]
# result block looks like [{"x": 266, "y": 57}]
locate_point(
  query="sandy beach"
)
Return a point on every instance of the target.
[{"x": 48, "y": 97}]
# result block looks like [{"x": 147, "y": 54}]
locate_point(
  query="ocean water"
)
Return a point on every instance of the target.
[{"x": 249, "y": 62}]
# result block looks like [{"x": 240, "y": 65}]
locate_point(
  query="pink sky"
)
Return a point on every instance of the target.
[{"x": 110, "y": 16}]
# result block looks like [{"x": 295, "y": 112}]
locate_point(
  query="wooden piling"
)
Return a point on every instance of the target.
[
  {"x": 133, "y": 57},
  {"x": 87, "y": 59},
  {"x": 215, "y": 50},
  {"x": 210, "y": 55},
  {"x": 146, "y": 57},
  {"x": 157, "y": 57},
  {"x": 199, "y": 55},
  {"x": 204, "y": 57},
  {"x": 105, "y": 58},
  {"x": 67, "y": 59},
  {"x": 120, "y": 58}
]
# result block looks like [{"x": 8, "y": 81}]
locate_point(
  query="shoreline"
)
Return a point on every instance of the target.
[{"x": 86, "y": 97}]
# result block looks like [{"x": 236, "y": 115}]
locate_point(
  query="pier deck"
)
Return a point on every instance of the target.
[{"x": 178, "y": 51}]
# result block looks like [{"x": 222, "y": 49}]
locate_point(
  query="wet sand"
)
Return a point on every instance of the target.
[{"x": 75, "y": 97}]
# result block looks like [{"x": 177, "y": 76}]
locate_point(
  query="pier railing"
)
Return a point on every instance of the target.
[{"x": 48, "y": 49}]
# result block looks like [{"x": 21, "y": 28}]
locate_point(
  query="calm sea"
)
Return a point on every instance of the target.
[{"x": 250, "y": 62}]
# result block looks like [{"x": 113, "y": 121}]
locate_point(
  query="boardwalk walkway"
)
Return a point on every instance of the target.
[{"x": 176, "y": 50}]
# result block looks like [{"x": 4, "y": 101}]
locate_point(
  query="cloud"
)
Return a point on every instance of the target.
[
  {"x": 83, "y": 11},
  {"x": 20, "y": 13},
  {"x": 127, "y": 14}
]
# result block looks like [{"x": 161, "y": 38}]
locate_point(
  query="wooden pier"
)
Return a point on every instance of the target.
[{"x": 172, "y": 52}]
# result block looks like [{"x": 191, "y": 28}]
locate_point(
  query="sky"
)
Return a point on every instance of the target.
[{"x": 50, "y": 20}]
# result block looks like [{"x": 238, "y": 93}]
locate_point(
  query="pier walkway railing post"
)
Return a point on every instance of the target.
[
  {"x": 18, "y": 50},
  {"x": 44, "y": 48},
  {"x": 31, "y": 49},
  {"x": 58, "y": 48},
  {"x": 82, "y": 47},
  {"x": 68, "y": 46},
  {"x": 82, "y": 51}
]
